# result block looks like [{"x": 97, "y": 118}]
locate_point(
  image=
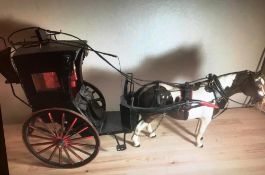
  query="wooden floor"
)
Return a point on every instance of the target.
[{"x": 234, "y": 144}]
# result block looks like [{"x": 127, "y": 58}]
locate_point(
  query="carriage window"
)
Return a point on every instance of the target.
[{"x": 47, "y": 81}]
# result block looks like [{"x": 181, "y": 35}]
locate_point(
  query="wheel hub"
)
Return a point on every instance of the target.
[{"x": 62, "y": 142}]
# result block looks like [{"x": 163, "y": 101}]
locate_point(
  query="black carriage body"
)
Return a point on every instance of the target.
[
  {"x": 46, "y": 72},
  {"x": 65, "y": 108}
]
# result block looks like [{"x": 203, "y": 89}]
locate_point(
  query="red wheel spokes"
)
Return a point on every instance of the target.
[
  {"x": 47, "y": 148},
  {"x": 60, "y": 155},
  {"x": 61, "y": 138},
  {"x": 81, "y": 138},
  {"x": 42, "y": 130},
  {"x": 74, "y": 153},
  {"x": 62, "y": 125},
  {"x": 42, "y": 143},
  {"x": 46, "y": 126},
  {"x": 53, "y": 123},
  {"x": 79, "y": 132},
  {"x": 72, "y": 124},
  {"x": 78, "y": 149},
  {"x": 41, "y": 137},
  {"x": 68, "y": 155},
  {"x": 83, "y": 144},
  {"x": 52, "y": 154}
]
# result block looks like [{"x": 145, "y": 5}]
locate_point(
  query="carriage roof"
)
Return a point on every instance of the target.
[
  {"x": 48, "y": 55},
  {"x": 53, "y": 46}
]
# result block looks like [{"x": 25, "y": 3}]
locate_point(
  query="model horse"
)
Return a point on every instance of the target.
[{"x": 201, "y": 100}]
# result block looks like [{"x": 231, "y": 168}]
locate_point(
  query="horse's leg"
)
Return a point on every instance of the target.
[
  {"x": 197, "y": 127},
  {"x": 136, "y": 139},
  {"x": 152, "y": 133},
  {"x": 204, "y": 123}
]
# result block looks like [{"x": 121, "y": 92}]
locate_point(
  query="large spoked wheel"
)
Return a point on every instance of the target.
[
  {"x": 61, "y": 138},
  {"x": 98, "y": 103}
]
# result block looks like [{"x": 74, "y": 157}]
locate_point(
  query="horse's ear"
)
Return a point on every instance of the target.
[
  {"x": 259, "y": 77},
  {"x": 259, "y": 74}
]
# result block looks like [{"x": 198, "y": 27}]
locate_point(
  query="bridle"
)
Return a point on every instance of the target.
[{"x": 215, "y": 85}]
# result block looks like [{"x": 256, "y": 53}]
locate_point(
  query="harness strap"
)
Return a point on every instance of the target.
[{"x": 208, "y": 104}]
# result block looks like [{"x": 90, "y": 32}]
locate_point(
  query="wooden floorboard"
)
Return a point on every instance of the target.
[{"x": 234, "y": 143}]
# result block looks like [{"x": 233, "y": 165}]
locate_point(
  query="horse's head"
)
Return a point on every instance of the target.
[
  {"x": 259, "y": 79},
  {"x": 254, "y": 86}
]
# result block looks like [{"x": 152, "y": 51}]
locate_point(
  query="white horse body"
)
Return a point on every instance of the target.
[{"x": 204, "y": 114}]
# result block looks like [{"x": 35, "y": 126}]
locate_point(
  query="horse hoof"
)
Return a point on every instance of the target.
[
  {"x": 199, "y": 146},
  {"x": 152, "y": 136},
  {"x": 136, "y": 146}
]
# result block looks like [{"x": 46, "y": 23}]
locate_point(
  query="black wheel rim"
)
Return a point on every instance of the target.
[{"x": 61, "y": 138}]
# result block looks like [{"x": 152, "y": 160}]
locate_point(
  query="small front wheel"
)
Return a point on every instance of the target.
[
  {"x": 97, "y": 104},
  {"x": 61, "y": 138}
]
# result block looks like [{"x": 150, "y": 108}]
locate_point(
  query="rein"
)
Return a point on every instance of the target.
[
  {"x": 213, "y": 84},
  {"x": 218, "y": 87}
]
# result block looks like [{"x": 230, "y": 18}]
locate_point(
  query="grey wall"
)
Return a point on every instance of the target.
[{"x": 171, "y": 40}]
